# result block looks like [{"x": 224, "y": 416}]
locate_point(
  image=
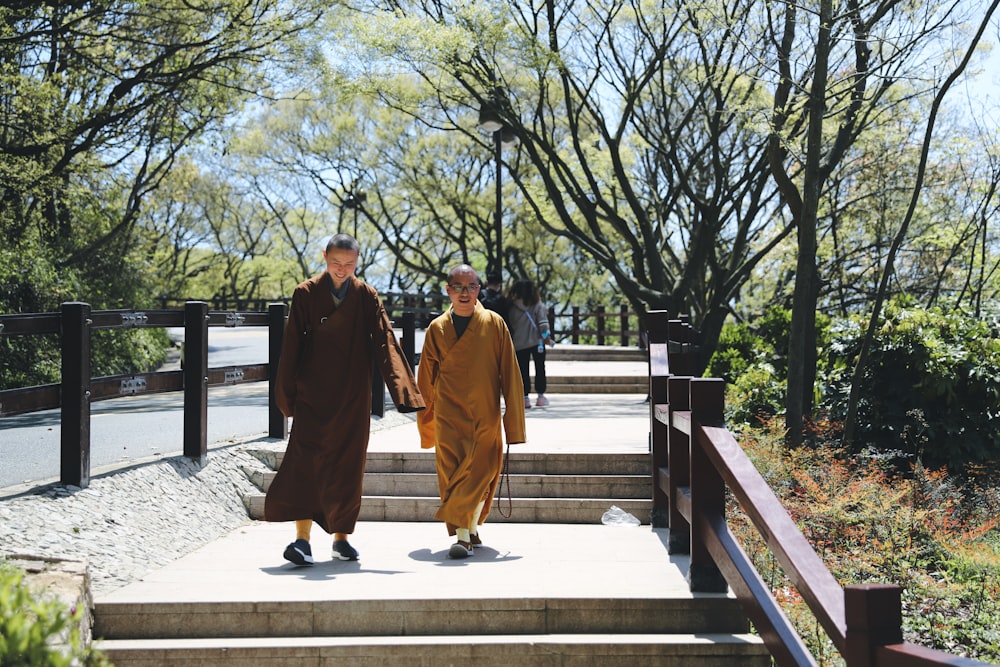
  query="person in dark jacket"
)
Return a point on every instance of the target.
[{"x": 492, "y": 296}]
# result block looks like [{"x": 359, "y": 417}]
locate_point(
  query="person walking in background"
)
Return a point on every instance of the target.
[
  {"x": 491, "y": 296},
  {"x": 467, "y": 362},
  {"x": 336, "y": 327},
  {"x": 528, "y": 321}
]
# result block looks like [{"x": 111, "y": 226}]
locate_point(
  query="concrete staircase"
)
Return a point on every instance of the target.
[
  {"x": 552, "y": 586},
  {"x": 596, "y": 370},
  {"x": 519, "y": 627},
  {"x": 492, "y": 632},
  {"x": 543, "y": 488}
]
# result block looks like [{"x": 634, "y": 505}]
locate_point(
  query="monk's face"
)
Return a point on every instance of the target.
[
  {"x": 340, "y": 264},
  {"x": 463, "y": 289}
]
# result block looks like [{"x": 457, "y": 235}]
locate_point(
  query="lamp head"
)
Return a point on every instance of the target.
[{"x": 489, "y": 117}]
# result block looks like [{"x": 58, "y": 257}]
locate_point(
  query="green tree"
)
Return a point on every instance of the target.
[
  {"x": 836, "y": 68},
  {"x": 97, "y": 101},
  {"x": 640, "y": 142}
]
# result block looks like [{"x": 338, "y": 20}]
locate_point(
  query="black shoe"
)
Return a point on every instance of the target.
[
  {"x": 344, "y": 551},
  {"x": 460, "y": 550},
  {"x": 299, "y": 552}
]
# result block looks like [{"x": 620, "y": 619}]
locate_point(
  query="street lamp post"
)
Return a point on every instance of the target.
[
  {"x": 354, "y": 200},
  {"x": 490, "y": 121}
]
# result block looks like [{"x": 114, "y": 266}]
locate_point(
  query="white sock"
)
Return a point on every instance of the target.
[{"x": 463, "y": 535}]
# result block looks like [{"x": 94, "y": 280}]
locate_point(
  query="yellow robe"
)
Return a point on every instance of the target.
[{"x": 461, "y": 380}]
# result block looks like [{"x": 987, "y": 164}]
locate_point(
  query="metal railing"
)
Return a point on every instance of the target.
[{"x": 695, "y": 460}]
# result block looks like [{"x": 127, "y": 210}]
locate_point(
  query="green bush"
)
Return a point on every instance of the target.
[
  {"x": 752, "y": 357},
  {"x": 31, "y": 283},
  {"x": 931, "y": 387},
  {"x": 30, "y": 626}
]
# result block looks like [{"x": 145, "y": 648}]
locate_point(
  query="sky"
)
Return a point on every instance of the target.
[{"x": 983, "y": 92}]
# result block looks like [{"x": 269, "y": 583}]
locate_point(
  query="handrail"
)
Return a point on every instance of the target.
[
  {"x": 695, "y": 459},
  {"x": 77, "y": 390}
]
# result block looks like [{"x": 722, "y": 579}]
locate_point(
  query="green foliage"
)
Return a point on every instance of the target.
[
  {"x": 98, "y": 101},
  {"x": 930, "y": 390},
  {"x": 30, "y": 284},
  {"x": 936, "y": 536},
  {"x": 31, "y": 628},
  {"x": 752, "y": 357}
]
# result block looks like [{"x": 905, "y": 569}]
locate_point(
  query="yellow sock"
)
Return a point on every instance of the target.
[
  {"x": 303, "y": 527},
  {"x": 474, "y": 527}
]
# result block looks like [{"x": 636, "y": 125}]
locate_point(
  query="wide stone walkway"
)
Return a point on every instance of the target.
[{"x": 410, "y": 560}]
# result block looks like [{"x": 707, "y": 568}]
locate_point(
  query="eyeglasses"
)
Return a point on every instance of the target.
[{"x": 464, "y": 289}]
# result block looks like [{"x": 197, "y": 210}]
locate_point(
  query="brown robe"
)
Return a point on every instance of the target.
[
  {"x": 461, "y": 380},
  {"x": 325, "y": 384}
]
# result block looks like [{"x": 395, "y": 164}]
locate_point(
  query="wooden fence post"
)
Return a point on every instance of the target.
[
  {"x": 576, "y": 325},
  {"x": 409, "y": 338},
  {"x": 600, "y": 325},
  {"x": 659, "y": 371},
  {"x": 678, "y": 465},
  {"x": 623, "y": 314},
  {"x": 196, "y": 381},
  {"x": 74, "y": 432},
  {"x": 874, "y": 617},
  {"x": 378, "y": 389},
  {"x": 683, "y": 350},
  {"x": 708, "y": 490},
  {"x": 277, "y": 423}
]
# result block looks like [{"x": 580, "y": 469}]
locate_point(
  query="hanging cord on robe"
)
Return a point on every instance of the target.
[{"x": 505, "y": 474}]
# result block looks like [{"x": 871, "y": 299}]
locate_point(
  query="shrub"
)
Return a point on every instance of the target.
[
  {"x": 930, "y": 390},
  {"x": 934, "y": 534},
  {"x": 30, "y": 627},
  {"x": 30, "y": 283},
  {"x": 752, "y": 357}
]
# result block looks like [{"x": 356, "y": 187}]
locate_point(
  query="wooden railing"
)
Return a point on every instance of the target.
[
  {"x": 599, "y": 325},
  {"x": 695, "y": 460},
  {"x": 77, "y": 390}
]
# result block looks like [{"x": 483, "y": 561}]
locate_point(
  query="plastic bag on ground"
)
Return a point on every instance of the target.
[{"x": 616, "y": 516}]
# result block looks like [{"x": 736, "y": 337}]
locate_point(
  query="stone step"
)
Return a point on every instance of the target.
[
  {"x": 536, "y": 650},
  {"x": 595, "y": 353},
  {"x": 423, "y": 617},
  {"x": 543, "y": 488},
  {"x": 587, "y": 384},
  {"x": 520, "y": 510},
  {"x": 531, "y": 595},
  {"x": 422, "y": 461},
  {"x": 603, "y": 385},
  {"x": 521, "y": 486}
]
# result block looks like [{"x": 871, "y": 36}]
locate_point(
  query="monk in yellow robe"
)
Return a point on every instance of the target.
[
  {"x": 467, "y": 361},
  {"x": 336, "y": 328}
]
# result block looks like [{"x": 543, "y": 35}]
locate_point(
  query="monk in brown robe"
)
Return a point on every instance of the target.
[
  {"x": 336, "y": 326},
  {"x": 467, "y": 361}
]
